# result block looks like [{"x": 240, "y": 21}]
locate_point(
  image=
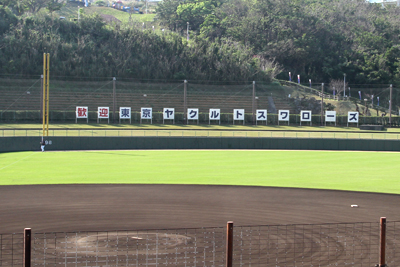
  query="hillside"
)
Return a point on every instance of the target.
[{"x": 234, "y": 40}]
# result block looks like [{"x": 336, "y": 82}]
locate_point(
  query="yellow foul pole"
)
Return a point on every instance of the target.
[
  {"x": 47, "y": 95},
  {"x": 44, "y": 93},
  {"x": 46, "y": 78}
]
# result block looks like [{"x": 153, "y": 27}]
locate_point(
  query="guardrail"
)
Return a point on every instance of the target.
[{"x": 202, "y": 133}]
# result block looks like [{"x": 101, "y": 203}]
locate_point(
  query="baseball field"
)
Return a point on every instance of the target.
[{"x": 76, "y": 202}]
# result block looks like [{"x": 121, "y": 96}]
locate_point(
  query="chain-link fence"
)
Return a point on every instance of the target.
[
  {"x": 22, "y": 100},
  {"x": 11, "y": 249},
  {"x": 308, "y": 245},
  {"x": 181, "y": 247},
  {"x": 343, "y": 244},
  {"x": 393, "y": 244},
  {"x": 377, "y": 96}
]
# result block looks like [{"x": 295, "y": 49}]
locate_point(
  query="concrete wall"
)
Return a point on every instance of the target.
[{"x": 9, "y": 144}]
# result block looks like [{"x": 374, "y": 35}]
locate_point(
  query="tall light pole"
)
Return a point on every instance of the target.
[{"x": 344, "y": 85}]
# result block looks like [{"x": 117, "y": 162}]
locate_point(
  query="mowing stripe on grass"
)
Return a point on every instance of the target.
[{"x": 17, "y": 160}]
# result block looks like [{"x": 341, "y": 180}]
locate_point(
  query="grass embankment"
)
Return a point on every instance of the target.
[
  {"x": 70, "y": 11},
  {"x": 354, "y": 171},
  {"x": 121, "y": 15}
]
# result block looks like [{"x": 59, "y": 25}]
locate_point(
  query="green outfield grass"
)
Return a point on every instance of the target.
[{"x": 354, "y": 171}]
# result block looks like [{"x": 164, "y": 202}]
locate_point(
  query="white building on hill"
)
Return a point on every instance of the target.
[{"x": 385, "y": 2}]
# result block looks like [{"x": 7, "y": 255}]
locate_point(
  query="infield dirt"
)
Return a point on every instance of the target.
[{"x": 61, "y": 208}]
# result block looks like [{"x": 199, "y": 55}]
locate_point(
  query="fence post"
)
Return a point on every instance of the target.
[
  {"x": 114, "y": 99},
  {"x": 27, "y": 247},
  {"x": 390, "y": 106},
  {"x": 253, "y": 104},
  {"x": 185, "y": 102},
  {"x": 322, "y": 104},
  {"x": 229, "y": 244},
  {"x": 382, "y": 243}
]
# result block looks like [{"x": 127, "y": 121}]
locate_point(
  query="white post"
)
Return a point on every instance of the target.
[
  {"x": 185, "y": 119},
  {"x": 187, "y": 31},
  {"x": 253, "y": 104},
  {"x": 334, "y": 93},
  {"x": 322, "y": 103},
  {"x": 390, "y": 105},
  {"x": 344, "y": 85}
]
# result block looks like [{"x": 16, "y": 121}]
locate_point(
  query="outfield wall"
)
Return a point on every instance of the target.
[{"x": 10, "y": 144}]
